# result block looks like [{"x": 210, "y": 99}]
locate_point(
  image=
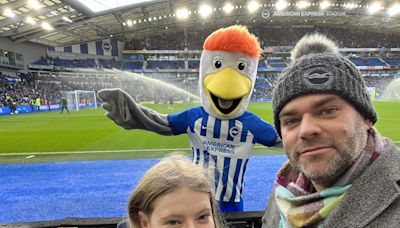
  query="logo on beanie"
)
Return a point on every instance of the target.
[{"x": 318, "y": 76}]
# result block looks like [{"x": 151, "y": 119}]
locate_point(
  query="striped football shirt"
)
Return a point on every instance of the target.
[{"x": 223, "y": 147}]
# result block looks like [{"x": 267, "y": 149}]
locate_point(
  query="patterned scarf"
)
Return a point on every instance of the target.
[{"x": 301, "y": 206}]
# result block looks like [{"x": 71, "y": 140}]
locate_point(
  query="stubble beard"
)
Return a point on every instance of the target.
[{"x": 347, "y": 152}]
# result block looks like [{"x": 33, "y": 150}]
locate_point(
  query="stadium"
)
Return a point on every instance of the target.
[{"x": 73, "y": 167}]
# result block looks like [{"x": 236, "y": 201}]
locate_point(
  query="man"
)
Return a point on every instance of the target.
[
  {"x": 31, "y": 103},
  {"x": 170, "y": 102},
  {"x": 64, "y": 105},
  {"x": 11, "y": 106},
  {"x": 341, "y": 172},
  {"x": 37, "y": 103}
]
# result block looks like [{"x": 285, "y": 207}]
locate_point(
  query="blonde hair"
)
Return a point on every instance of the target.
[{"x": 168, "y": 175}]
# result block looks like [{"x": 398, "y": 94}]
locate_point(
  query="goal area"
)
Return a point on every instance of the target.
[{"x": 78, "y": 99}]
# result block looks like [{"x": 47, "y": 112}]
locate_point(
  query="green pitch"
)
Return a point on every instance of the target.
[{"x": 89, "y": 135}]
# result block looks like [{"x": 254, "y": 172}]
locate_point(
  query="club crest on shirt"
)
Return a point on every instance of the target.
[{"x": 234, "y": 131}]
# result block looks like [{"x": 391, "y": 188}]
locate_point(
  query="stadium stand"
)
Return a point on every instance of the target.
[
  {"x": 277, "y": 63},
  {"x": 194, "y": 64},
  {"x": 156, "y": 64},
  {"x": 109, "y": 63},
  {"x": 130, "y": 66},
  {"x": 269, "y": 37},
  {"x": 261, "y": 65},
  {"x": 393, "y": 62},
  {"x": 49, "y": 85}
]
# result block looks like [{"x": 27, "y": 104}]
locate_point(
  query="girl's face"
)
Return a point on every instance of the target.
[{"x": 181, "y": 208}]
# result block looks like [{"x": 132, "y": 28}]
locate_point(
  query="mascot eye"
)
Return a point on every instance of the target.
[
  {"x": 241, "y": 65},
  {"x": 217, "y": 64}
]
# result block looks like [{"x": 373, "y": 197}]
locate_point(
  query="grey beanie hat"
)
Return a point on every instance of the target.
[{"x": 317, "y": 67}]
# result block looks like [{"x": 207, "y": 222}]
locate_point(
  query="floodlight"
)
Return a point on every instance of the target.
[
  {"x": 34, "y": 4},
  {"x": 228, "y": 7},
  {"x": 302, "y": 4},
  {"x": 8, "y": 12},
  {"x": 67, "y": 19},
  {"x": 281, "y": 5},
  {"x": 182, "y": 13},
  {"x": 205, "y": 10},
  {"x": 46, "y": 26},
  {"x": 350, "y": 5},
  {"x": 324, "y": 5},
  {"x": 30, "y": 20},
  {"x": 129, "y": 23},
  {"x": 394, "y": 9},
  {"x": 374, "y": 7},
  {"x": 253, "y": 6}
]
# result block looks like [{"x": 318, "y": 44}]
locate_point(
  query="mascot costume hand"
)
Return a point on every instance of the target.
[{"x": 222, "y": 133}]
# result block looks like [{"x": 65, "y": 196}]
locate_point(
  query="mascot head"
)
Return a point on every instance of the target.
[{"x": 228, "y": 68}]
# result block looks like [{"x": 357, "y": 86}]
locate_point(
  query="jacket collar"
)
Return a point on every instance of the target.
[{"x": 371, "y": 193}]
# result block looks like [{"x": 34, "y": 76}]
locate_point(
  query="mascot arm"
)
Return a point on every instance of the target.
[{"x": 125, "y": 112}]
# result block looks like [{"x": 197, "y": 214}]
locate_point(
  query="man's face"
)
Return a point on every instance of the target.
[{"x": 322, "y": 135}]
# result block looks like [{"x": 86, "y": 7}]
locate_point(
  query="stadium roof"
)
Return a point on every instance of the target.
[{"x": 58, "y": 23}]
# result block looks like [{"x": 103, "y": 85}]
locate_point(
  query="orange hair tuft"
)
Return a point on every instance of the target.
[{"x": 235, "y": 38}]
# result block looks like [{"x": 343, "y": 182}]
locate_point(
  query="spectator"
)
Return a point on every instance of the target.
[
  {"x": 37, "y": 102},
  {"x": 341, "y": 172},
  {"x": 174, "y": 193},
  {"x": 31, "y": 103},
  {"x": 64, "y": 104},
  {"x": 11, "y": 106}
]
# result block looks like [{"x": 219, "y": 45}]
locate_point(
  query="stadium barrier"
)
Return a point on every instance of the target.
[
  {"x": 248, "y": 219},
  {"x": 4, "y": 110},
  {"x": 27, "y": 109}
]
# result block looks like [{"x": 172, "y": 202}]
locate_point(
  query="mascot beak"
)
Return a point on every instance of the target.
[{"x": 226, "y": 90}]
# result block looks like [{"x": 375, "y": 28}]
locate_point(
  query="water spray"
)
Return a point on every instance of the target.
[{"x": 155, "y": 81}]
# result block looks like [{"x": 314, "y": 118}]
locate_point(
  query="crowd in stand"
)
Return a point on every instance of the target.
[
  {"x": 24, "y": 90},
  {"x": 170, "y": 41},
  {"x": 263, "y": 87},
  {"x": 30, "y": 86},
  {"x": 193, "y": 40},
  {"x": 62, "y": 64},
  {"x": 380, "y": 84},
  {"x": 27, "y": 88},
  {"x": 269, "y": 37}
]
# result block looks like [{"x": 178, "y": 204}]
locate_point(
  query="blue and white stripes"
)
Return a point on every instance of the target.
[
  {"x": 107, "y": 47},
  {"x": 219, "y": 155},
  {"x": 223, "y": 147}
]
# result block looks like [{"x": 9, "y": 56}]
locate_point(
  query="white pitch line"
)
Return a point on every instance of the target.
[
  {"x": 97, "y": 151},
  {"x": 91, "y": 152},
  {"x": 108, "y": 151}
]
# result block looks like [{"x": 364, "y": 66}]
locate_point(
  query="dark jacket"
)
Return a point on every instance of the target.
[{"x": 372, "y": 201}]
